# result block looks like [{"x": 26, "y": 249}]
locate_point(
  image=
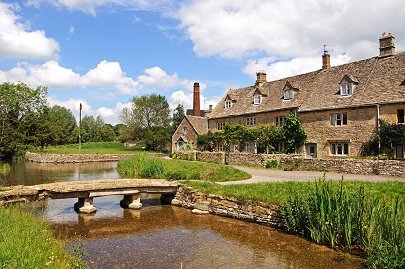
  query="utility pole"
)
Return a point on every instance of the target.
[{"x": 80, "y": 124}]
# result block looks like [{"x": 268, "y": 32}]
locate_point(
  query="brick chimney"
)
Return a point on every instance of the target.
[
  {"x": 325, "y": 60},
  {"x": 196, "y": 100},
  {"x": 387, "y": 46},
  {"x": 260, "y": 78}
]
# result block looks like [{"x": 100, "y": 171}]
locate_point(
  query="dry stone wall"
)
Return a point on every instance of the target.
[
  {"x": 73, "y": 158},
  {"x": 258, "y": 212}
]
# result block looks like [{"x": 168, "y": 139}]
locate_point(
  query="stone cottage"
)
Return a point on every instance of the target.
[{"x": 339, "y": 106}]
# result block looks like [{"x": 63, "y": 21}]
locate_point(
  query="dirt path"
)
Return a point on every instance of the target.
[{"x": 270, "y": 175}]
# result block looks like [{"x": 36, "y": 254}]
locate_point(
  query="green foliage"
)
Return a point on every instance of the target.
[
  {"x": 26, "y": 242},
  {"x": 63, "y": 124},
  {"x": 389, "y": 136},
  {"x": 148, "y": 121},
  {"x": 21, "y": 119},
  {"x": 294, "y": 133},
  {"x": 107, "y": 133},
  {"x": 178, "y": 115},
  {"x": 91, "y": 148},
  {"x": 268, "y": 137},
  {"x": 272, "y": 164},
  {"x": 336, "y": 217},
  {"x": 178, "y": 169}
]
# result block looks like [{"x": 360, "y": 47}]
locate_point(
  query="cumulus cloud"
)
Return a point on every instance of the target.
[
  {"x": 276, "y": 69},
  {"x": 72, "y": 104},
  {"x": 17, "y": 41},
  {"x": 112, "y": 115},
  {"x": 186, "y": 99},
  {"x": 289, "y": 28}
]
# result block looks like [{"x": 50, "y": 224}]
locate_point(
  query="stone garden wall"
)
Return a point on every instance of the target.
[
  {"x": 73, "y": 158},
  {"x": 299, "y": 162},
  {"x": 257, "y": 212}
]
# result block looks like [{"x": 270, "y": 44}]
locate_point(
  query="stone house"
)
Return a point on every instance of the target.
[
  {"x": 339, "y": 106},
  {"x": 192, "y": 125}
]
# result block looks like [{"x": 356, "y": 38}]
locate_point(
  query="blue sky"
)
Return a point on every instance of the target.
[{"x": 103, "y": 52}]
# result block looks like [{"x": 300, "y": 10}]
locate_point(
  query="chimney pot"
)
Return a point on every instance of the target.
[
  {"x": 196, "y": 100},
  {"x": 387, "y": 46},
  {"x": 261, "y": 77},
  {"x": 210, "y": 108},
  {"x": 325, "y": 60}
]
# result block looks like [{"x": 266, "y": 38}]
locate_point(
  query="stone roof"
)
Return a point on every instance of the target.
[
  {"x": 376, "y": 80},
  {"x": 200, "y": 124}
]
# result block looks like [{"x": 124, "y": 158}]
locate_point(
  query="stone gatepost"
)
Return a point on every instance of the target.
[
  {"x": 85, "y": 205},
  {"x": 131, "y": 201}
]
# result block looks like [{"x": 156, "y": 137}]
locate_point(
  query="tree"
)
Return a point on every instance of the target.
[
  {"x": 178, "y": 115},
  {"x": 107, "y": 133},
  {"x": 63, "y": 124},
  {"x": 19, "y": 105},
  {"x": 148, "y": 121},
  {"x": 294, "y": 133},
  {"x": 267, "y": 137}
]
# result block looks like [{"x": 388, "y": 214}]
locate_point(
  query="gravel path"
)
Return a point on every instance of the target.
[{"x": 270, "y": 175}]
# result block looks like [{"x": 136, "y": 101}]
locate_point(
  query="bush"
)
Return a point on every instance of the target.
[{"x": 272, "y": 164}]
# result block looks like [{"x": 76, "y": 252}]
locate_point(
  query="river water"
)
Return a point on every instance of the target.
[{"x": 161, "y": 236}]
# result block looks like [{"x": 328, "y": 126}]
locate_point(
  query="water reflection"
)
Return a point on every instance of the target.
[{"x": 29, "y": 173}]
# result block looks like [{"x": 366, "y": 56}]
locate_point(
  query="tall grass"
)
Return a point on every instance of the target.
[
  {"x": 341, "y": 218},
  {"x": 143, "y": 165},
  {"x": 91, "y": 148},
  {"x": 25, "y": 242}
]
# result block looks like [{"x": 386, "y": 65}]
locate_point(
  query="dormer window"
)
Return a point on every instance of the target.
[
  {"x": 257, "y": 99},
  {"x": 288, "y": 94},
  {"x": 346, "y": 89},
  {"x": 228, "y": 104}
]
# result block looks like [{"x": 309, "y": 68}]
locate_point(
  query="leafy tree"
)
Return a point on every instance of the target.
[
  {"x": 178, "y": 115},
  {"x": 267, "y": 137},
  {"x": 148, "y": 121},
  {"x": 294, "y": 133},
  {"x": 107, "y": 133},
  {"x": 62, "y": 124},
  {"x": 18, "y": 107}
]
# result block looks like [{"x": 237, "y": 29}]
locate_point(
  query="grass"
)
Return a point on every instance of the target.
[
  {"x": 143, "y": 165},
  {"x": 91, "y": 148},
  {"x": 367, "y": 218},
  {"x": 26, "y": 242}
]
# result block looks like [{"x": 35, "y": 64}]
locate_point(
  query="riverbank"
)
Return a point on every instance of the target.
[
  {"x": 73, "y": 158},
  {"x": 26, "y": 242},
  {"x": 357, "y": 217}
]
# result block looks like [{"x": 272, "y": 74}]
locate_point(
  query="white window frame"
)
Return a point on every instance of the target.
[
  {"x": 251, "y": 121},
  {"x": 338, "y": 119},
  {"x": 257, "y": 99},
  {"x": 346, "y": 89},
  {"x": 339, "y": 149},
  {"x": 251, "y": 147},
  {"x": 288, "y": 94},
  {"x": 185, "y": 130},
  {"x": 228, "y": 104}
]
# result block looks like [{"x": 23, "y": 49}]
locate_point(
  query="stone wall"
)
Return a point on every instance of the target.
[
  {"x": 299, "y": 162},
  {"x": 257, "y": 212},
  {"x": 73, "y": 158}
]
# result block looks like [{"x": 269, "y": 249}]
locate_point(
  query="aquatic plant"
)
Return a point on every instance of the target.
[{"x": 4, "y": 169}]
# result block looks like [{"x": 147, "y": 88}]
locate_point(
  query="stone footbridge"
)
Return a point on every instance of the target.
[{"x": 85, "y": 191}]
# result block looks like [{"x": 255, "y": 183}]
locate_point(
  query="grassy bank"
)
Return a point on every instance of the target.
[
  {"x": 143, "y": 165},
  {"x": 363, "y": 217},
  {"x": 91, "y": 148},
  {"x": 25, "y": 242}
]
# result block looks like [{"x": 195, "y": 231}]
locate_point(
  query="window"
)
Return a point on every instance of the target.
[
  {"x": 251, "y": 147},
  {"x": 228, "y": 104},
  {"x": 288, "y": 94},
  {"x": 280, "y": 147},
  {"x": 340, "y": 149},
  {"x": 236, "y": 148},
  {"x": 339, "y": 119},
  {"x": 185, "y": 131},
  {"x": 346, "y": 89},
  {"x": 257, "y": 99},
  {"x": 280, "y": 121},
  {"x": 221, "y": 147},
  {"x": 250, "y": 121},
  {"x": 400, "y": 116},
  {"x": 220, "y": 125}
]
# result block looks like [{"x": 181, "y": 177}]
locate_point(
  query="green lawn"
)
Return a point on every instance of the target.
[
  {"x": 91, "y": 148},
  {"x": 278, "y": 192}
]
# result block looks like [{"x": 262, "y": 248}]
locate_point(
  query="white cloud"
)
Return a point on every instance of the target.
[
  {"x": 112, "y": 115},
  {"x": 289, "y": 28},
  {"x": 72, "y": 104},
  {"x": 276, "y": 69},
  {"x": 186, "y": 99},
  {"x": 17, "y": 41}
]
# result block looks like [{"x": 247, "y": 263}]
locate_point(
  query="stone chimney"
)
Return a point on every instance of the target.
[
  {"x": 325, "y": 60},
  {"x": 210, "y": 108},
  {"x": 196, "y": 100},
  {"x": 387, "y": 46},
  {"x": 260, "y": 78}
]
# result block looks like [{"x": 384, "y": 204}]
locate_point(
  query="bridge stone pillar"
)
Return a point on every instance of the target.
[
  {"x": 131, "y": 201},
  {"x": 85, "y": 205}
]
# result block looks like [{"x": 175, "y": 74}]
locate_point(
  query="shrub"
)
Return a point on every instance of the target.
[{"x": 272, "y": 164}]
